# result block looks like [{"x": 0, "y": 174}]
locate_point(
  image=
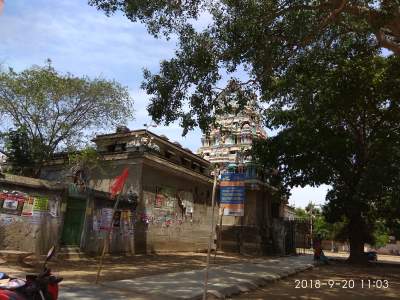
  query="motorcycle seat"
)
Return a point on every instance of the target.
[{"x": 11, "y": 284}]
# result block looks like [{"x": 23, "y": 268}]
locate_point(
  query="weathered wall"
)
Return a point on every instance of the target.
[
  {"x": 95, "y": 226},
  {"x": 278, "y": 236},
  {"x": 160, "y": 221},
  {"x": 29, "y": 228},
  {"x": 178, "y": 210},
  {"x": 250, "y": 234}
]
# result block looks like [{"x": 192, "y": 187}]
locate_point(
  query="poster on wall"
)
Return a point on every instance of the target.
[
  {"x": 37, "y": 217},
  {"x": 54, "y": 208},
  {"x": 117, "y": 219},
  {"x": 41, "y": 204},
  {"x": 187, "y": 201},
  {"x": 96, "y": 225},
  {"x": 125, "y": 221},
  {"x": 106, "y": 218},
  {"x": 159, "y": 201},
  {"x": 166, "y": 198},
  {"x": 232, "y": 194},
  {"x": 12, "y": 203},
  {"x": 6, "y": 219},
  {"x": 27, "y": 210},
  {"x": 148, "y": 198}
]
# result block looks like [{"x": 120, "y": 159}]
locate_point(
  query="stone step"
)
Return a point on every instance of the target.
[
  {"x": 70, "y": 252},
  {"x": 70, "y": 249}
]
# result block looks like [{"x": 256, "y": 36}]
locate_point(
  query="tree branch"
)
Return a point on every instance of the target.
[{"x": 385, "y": 42}]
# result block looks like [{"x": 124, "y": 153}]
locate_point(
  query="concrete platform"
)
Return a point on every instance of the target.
[{"x": 223, "y": 280}]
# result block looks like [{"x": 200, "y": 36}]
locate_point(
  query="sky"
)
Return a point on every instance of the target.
[{"x": 83, "y": 41}]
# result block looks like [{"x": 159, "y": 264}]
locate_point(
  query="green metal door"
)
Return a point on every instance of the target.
[{"x": 73, "y": 221}]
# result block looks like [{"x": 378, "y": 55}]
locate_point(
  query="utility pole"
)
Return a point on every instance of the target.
[
  {"x": 216, "y": 171},
  {"x": 311, "y": 229},
  {"x": 311, "y": 223}
]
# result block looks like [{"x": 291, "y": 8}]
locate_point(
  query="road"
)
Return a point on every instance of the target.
[{"x": 338, "y": 274}]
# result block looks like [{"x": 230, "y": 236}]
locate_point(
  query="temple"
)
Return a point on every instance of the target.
[{"x": 228, "y": 144}]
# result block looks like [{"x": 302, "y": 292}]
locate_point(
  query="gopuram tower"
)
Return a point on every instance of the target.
[{"x": 229, "y": 141}]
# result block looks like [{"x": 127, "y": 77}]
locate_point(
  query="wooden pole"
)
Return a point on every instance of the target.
[
  {"x": 211, "y": 235},
  {"x": 219, "y": 237},
  {"x": 107, "y": 239}
]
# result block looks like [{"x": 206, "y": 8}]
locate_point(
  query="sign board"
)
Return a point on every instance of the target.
[{"x": 232, "y": 194}]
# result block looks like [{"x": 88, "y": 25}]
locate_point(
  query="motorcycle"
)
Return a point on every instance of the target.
[{"x": 43, "y": 286}]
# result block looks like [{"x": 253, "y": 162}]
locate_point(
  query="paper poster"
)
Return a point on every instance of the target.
[
  {"x": 132, "y": 222},
  {"x": 27, "y": 210},
  {"x": 6, "y": 219},
  {"x": 106, "y": 218},
  {"x": 117, "y": 219},
  {"x": 170, "y": 202},
  {"x": 37, "y": 217},
  {"x": 148, "y": 198},
  {"x": 96, "y": 223},
  {"x": 187, "y": 201},
  {"x": 125, "y": 221},
  {"x": 12, "y": 203},
  {"x": 54, "y": 208},
  {"x": 159, "y": 201},
  {"x": 41, "y": 204}
]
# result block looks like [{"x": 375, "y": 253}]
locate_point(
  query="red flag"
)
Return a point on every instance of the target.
[
  {"x": 119, "y": 183},
  {"x": 1, "y": 6}
]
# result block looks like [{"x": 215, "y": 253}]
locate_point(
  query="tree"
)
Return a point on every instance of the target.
[
  {"x": 83, "y": 164},
  {"x": 21, "y": 151},
  {"x": 301, "y": 214},
  {"x": 340, "y": 126},
  {"x": 50, "y": 111}
]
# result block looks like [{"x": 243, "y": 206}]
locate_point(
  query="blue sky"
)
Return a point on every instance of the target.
[{"x": 81, "y": 40}]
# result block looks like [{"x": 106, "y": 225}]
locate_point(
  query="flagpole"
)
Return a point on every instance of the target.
[
  {"x": 211, "y": 235},
  {"x": 107, "y": 239}
]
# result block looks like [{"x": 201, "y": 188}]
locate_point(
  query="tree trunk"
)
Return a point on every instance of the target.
[{"x": 356, "y": 241}]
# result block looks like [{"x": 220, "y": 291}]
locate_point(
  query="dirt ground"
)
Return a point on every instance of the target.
[
  {"x": 118, "y": 268},
  {"x": 336, "y": 272},
  {"x": 83, "y": 271}
]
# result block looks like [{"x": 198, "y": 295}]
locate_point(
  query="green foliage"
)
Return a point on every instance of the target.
[
  {"x": 22, "y": 152},
  {"x": 84, "y": 163},
  {"x": 322, "y": 228},
  {"x": 52, "y": 111},
  {"x": 301, "y": 214},
  {"x": 380, "y": 235},
  {"x": 328, "y": 231},
  {"x": 87, "y": 158}
]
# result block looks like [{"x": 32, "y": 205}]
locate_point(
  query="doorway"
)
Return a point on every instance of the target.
[{"x": 73, "y": 222}]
